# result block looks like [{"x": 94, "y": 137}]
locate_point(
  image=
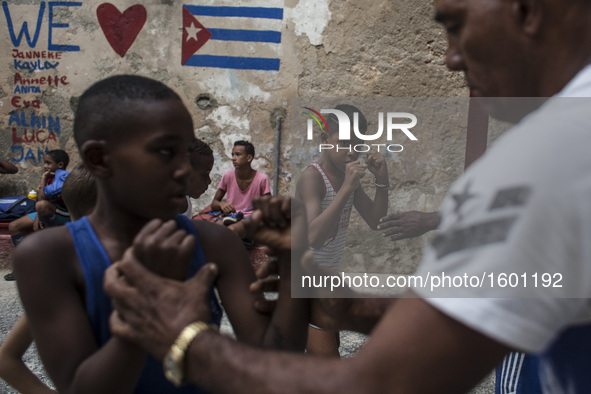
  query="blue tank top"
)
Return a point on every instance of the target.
[{"x": 94, "y": 261}]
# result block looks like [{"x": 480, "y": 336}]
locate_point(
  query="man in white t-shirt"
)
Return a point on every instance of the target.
[{"x": 519, "y": 218}]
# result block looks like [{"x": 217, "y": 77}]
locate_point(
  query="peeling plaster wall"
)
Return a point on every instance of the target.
[{"x": 354, "y": 48}]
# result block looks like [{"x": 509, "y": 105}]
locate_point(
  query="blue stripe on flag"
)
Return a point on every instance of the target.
[
  {"x": 246, "y": 35},
  {"x": 248, "y": 12},
  {"x": 240, "y": 63}
]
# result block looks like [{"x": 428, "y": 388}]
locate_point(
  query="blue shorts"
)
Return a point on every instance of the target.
[{"x": 59, "y": 219}]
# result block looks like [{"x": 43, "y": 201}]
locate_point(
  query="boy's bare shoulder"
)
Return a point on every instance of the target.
[
  {"x": 55, "y": 238},
  {"x": 311, "y": 171},
  {"x": 310, "y": 182},
  {"x": 310, "y": 175},
  {"x": 211, "y": 232},
  {"x": 217, "y": 241},
  {"x": 50, "y": 247}
]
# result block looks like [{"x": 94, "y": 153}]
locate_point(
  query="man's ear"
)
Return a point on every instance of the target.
[
  {"x": 530, "y": 15},
  {"x": 249, "y": 158},
  {"x": 60, "y": 165},
  {"x": 96, "y": 157}
]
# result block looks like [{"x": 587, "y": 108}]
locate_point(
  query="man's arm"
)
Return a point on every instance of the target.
[
  {"x": 413, "y": 339},
  {"x": 410, "y": 224},
  {"x": 218, "y": 205},
  {"x": 396, "y": 359},
  {"x": 7, "y": 167}
]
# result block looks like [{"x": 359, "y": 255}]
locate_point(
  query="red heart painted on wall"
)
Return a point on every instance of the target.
[{"x": 121, "y": 29}]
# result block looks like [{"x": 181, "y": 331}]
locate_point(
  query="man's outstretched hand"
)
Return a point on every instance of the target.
[{"x": 410, "y": 224}]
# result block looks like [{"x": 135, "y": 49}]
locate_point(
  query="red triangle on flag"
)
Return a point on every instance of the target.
[{"x": 195, "y": 35}]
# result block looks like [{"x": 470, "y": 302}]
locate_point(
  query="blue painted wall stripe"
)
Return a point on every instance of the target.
[
  {"x": 240, "y": 63},
  {"x": 248, "y": 12},
  {"x": 246, "y": 35}
]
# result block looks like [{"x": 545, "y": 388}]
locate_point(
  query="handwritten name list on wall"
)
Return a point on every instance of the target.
[{"x": 36, "y": 68}]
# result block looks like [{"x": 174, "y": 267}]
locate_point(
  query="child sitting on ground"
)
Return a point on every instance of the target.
[
  {"x": 201, "y": 157},
  {"x": 79, "y": 195},
  {"x": 133, "y": 134},
  {"x": 50, "y": 208},
  {"x": 242, "y": 185},
  {"x": 330, "y": 188}
]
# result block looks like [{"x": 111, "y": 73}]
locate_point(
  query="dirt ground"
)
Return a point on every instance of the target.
[{"x": 11, "y": 310}]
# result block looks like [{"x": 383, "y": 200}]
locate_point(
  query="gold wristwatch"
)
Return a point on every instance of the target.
[{"x": 174, "y": 361}]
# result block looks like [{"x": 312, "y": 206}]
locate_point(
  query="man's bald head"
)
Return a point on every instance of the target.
[{"x": 516, "y": 48}]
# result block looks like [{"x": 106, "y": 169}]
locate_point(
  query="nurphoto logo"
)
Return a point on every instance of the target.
[{"x": 395, "y": 121}]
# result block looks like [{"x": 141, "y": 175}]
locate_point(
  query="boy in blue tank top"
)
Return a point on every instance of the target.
[{"x": 133, "y": 134}]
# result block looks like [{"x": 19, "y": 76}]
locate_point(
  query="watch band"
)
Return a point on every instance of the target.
[{"x": 174, "y": 361}]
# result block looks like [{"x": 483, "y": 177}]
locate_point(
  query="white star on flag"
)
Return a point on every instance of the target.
[
  {"x": 230, "y": 29},
  {"x": 192, "y": 32}
]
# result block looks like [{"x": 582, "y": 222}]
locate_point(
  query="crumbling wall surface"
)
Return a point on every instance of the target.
[
  {"x": 378, "y": 48},
  {"x": 237, "y": 85},
  {"x": 387, "y": 49}
]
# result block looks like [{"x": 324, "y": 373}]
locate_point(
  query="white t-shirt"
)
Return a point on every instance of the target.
[{"x": 524, "y": 210}]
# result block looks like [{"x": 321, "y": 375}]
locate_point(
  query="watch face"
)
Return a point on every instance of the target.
[{"x": 171, "y": 370}]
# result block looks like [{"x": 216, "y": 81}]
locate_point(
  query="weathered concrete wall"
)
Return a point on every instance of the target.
[
  {"x": 324, "y": 48},
  {"x": 68, "y": 40}
]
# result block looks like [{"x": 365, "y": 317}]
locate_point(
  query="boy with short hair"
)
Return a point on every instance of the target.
[
  {"x": 50, "y": 206},
  {"x": 330, "y": 188},
  {"x": 242, "y": 185},
  {"x": 79, "y": 192},
  {"x": 201, "y": 158},
  {"x": 133, "y": 134}
]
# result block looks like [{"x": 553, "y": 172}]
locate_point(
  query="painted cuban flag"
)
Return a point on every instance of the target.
[{"x": 235, "y": 37}]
